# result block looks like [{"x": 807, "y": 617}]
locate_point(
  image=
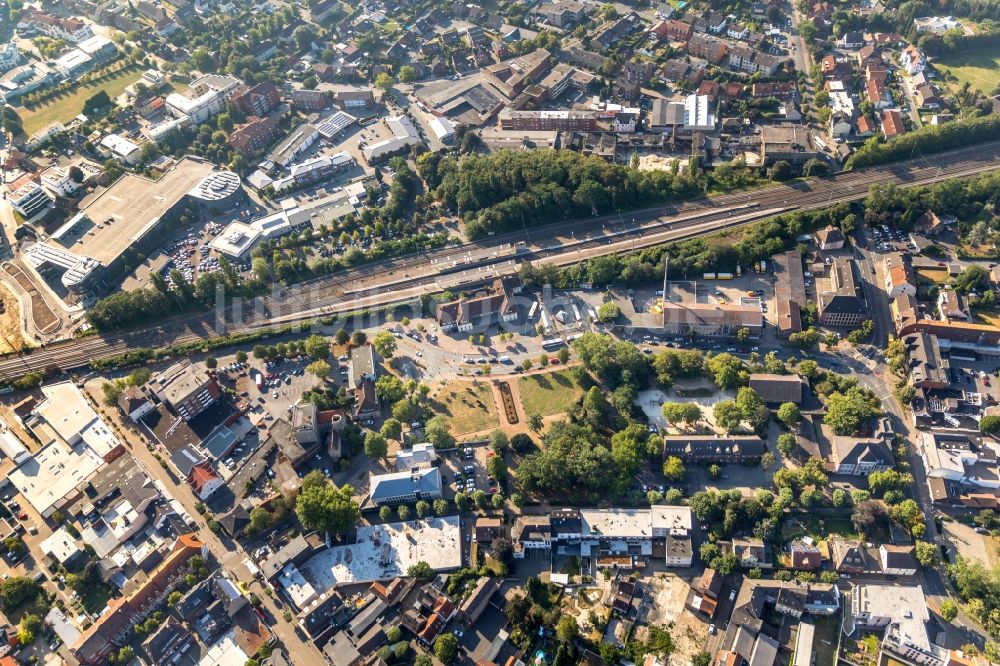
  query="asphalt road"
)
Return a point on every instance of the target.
[{"x": 405, "y": 279}]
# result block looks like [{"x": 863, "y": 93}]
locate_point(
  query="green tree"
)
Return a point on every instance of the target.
[
  {"x": 446, "y": 648},
  {"x": 677, "y": 412},
  {"x": 786, "y": 444},
  {"x": 949, "y": 610},
  {"x": 499, "y": 441},
  {"x": 384, "y": 81},
  {"x": 322, "y": 506},
  {"x": 673, "y": 469},
  {"x": 608, "y": 312},
  {"x": 990, "y": 425},
  {"x": 403, "y": 512},
  {"x": 728, "y": 415},
  {"x": 420, "y": 570},
  {"x": 385, "y": 513},
  {"x": 846, "y": 412},
  {"x": 789, "y": 414},
  {"x": 440, "y": 506},
  {"x": 319, "y": 369},
  {"x": 567, "y": 629},
  {"x": 341, "y": 336},
  {"x": 407, "y": 73},
  {"x": 375, "y": 445},
  {"x": 423, "y": 508},
  {"x": 28, "y": 628},
  {"x": 534, "y": 422},
  {"x": 384, "y": 343},
  {"x": 391, "y": 429},
  {"x": 317, "y": 347},
  {"x": 18, "y": 590},
  {"x": 926, "y": 553},
  {"x": 438, "y": 432}
]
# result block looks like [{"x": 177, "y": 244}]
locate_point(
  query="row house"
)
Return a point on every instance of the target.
[
  {"x": 673, "y": 29},
  {"x": 710, "y": 48},
  {"x": 255, "y": 134},
  {"x": 259, "y": 100}
]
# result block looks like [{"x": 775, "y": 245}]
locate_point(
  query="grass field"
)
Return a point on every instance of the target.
[
  {"x": 66, "y": 107},
  {"x": 550, "y": 393},
  {"x": 468, "y": 405},
  {"x": 980, "y": 67},
  {"x": 935, "y": 276},
  {"x": 991, "y": 317}
]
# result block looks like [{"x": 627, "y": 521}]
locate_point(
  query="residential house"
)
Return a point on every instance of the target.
[
  {"x": 804, "y": 556},
  {"x": 928, "y": 368},
  {"x": 851, "y": 40},
  {"x": 912, "y": 60},
  {"x": 878, "y": 94},
  {"x": 848, "y": 555},
  {"x": 897, "y": 560},
  {"x": 707, "y": 47},
  {"x": 842, "y": 304},
  {"x": 830, "y": 238},
  {"x": 674, "y": 30},
  {"x": 860, "y": 456},
  {"x": 204, "y": 479},
  {"x": 952, "y": 306},
  {"x": 900, "y": 277},
  {"x": 531, "y": 533},
  {"x": 752, "y": 552},
  {"x": 927, "y": 97}
]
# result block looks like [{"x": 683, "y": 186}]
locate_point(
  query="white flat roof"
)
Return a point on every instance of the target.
[
  {"x": 235, "y": 239},
  {"x": 386, "y": 551},
  {"x": 905, "y": 605},
  {"x": 670, "y": 518},
  {"x": 53, "y": 473},
  {"x": 224, "y": 652},
  {"x": 60, "y": 545},
  {"x": 11, "y": 446},
  {"x": 299, "y": 590},
  {"x": 67, "y": 412},
  {"x": 614, "y": 523}
]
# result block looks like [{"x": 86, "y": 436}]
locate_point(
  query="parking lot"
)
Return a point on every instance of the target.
[{"x": 464, "y": 470}]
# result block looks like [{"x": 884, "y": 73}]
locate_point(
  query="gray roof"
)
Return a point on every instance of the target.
[
  {"x": 421, "y": 481},
  {"x": 777, "y": 388}
]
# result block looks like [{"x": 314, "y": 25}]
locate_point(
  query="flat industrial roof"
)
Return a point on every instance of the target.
[
  {"x": 52, "y": 474},
  {"x": 132, "y": 204},
  {"x": 387, "y": 551},
  {"x": 68, "y": 414}
]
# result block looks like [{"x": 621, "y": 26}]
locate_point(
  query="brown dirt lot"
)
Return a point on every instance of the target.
[
  {"x": 11, "y": 335},
  {"x": 45, "y": 320},
  {"x": 665, "y": 606}
]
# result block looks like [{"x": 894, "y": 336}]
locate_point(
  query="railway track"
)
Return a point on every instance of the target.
[{"x": 583, "y": 238}]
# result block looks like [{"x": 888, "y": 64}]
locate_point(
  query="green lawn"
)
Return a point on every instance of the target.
[
  {"x": 64, "y": 108},
  {"x": 980, "y": 67},
  {"x": 550, "y": 393},
  {"x": 468, "y": 405},
  {"x": 817, "y": 527}
]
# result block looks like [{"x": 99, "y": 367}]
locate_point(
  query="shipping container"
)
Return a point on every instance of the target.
[
  {"x": 725, "y": 276},
  {"x": 709, "y": 276}
]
